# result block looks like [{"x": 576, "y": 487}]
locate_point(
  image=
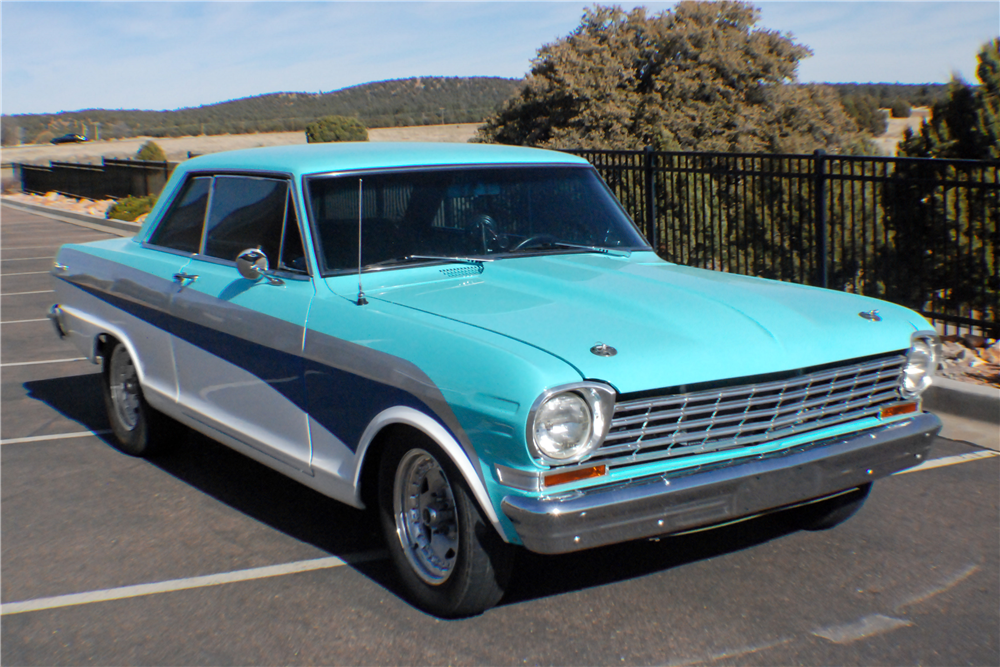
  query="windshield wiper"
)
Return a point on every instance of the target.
[
  {"x": 594, "y": 248},
  {"x": 461, "y": 260},
  {"x": 545, "y": 241}
]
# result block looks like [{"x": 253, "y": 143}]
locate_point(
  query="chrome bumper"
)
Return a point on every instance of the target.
[
  {"x": 667, "y": 504},
  {"x": 55, "y": 315}
]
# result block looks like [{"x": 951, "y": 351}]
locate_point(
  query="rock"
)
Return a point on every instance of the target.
[
  {"x": 973, "y": 341},
  {"x": 992, "y": 353},
  {"x": 951, "y": 350}
]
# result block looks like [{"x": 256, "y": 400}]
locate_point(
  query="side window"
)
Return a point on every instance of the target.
[
  {"x": 246, "y": 213},
  {"x": 181, "y": 227}
]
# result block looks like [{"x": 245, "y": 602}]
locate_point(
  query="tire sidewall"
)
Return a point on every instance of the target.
[
  {"x": 133, "y": 441},
  {"x": 481, "y": 567}
]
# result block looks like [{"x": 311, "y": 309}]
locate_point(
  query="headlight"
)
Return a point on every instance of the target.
[
  {"x": 566, "y": 424},
  {"x": 921, "y": 362}
]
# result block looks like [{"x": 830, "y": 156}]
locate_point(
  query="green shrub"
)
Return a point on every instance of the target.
[
  {"x": 335, "y": 128},
  {"x": 130, "y": 208},
  {"x": 900, "y": 109},
  {"x": 151, "y": 152}
]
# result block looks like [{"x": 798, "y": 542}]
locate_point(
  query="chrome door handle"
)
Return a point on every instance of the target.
[{"x": 181, "y": 277}]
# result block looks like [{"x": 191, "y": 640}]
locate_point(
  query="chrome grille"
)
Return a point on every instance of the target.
[{"x": 699, "y": 422}]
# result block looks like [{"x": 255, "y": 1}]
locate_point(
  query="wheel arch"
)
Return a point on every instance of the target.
[{"x": 397, "y": 422}]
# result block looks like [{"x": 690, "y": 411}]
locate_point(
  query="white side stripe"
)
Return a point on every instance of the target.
[
  {"x": 184, "y": 584},
  {"x": 49, "y": 361},
  {"x": 54, "y": 436}
]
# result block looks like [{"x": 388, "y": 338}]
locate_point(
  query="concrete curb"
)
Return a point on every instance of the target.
[
  {"x": 964, "y": 399},
  {"x": 117, "y": 227}
]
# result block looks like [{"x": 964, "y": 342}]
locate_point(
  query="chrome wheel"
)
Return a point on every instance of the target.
[
  {"x": 126, "y": 396},
  {"x": 426, "y": 521}
]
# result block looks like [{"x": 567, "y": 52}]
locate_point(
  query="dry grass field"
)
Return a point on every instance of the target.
[{"x": 179, "y": 147}]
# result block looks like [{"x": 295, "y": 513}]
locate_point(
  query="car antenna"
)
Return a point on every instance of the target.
[{"x": 362, "y": 301}]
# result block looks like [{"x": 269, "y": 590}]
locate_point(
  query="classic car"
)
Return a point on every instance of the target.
[
  {"x": 477, "y": 342},
  {"x": 69, "y": 139}
]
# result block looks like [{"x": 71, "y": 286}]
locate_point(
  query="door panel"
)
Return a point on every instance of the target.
[{"x": 240, "y": 371}]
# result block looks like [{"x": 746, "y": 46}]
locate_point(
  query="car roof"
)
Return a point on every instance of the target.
[{"x": 304, "y": 159}]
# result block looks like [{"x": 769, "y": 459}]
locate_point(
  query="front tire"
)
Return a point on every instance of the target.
[
  {"x": 138, "y": 429},
  {"x": 449, "y": 559}
]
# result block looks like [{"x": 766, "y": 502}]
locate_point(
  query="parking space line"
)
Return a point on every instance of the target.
[
  {"x": 173, "y": 585},
  {"x": 41, "y": 319},
  {"x": 37, "y": 363},
  {"x": 43, "y": 291},
  {"x": 23, "y": 259},
  {"x": 55, "y": 436},
  {"x": 25, "y": 273},
  {"x": 951, "y": 460}
]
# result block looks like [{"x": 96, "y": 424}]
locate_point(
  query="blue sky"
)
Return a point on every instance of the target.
[{"x": 62, "y": 56}]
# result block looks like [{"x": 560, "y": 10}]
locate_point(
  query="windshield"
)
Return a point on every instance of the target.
[{"x": 468, "y": 213}]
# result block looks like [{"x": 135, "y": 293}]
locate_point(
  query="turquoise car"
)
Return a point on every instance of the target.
[{"x": 479, "y": 344}]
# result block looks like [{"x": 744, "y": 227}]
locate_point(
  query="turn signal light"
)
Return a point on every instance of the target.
[
  {"x": 574, "y": 475},
  {"x": 899, "y": 409}
]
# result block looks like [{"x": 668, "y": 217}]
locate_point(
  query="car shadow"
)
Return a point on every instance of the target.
[
  {"x": 79, "y": 398},
  {"x": 306, "y": 515}
]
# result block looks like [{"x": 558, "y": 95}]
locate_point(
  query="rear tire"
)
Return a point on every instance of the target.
[
  {"x": 449, "y": 559},
  {"x": 827, "y": 514},
  {"x": 138, "y": 429}
]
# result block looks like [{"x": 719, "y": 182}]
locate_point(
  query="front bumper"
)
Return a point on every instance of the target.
[{"x": 677, "y": 502}]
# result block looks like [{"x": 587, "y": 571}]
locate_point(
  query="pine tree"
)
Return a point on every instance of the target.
[{"x": 966, "y": 124}]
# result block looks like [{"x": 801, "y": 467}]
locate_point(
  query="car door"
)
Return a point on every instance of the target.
[{"x": 238, "y": 341}]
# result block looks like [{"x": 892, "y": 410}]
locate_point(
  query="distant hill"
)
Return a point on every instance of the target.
[{"x": 401, "y": 102}]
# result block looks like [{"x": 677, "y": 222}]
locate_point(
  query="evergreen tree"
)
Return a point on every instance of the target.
[
  {"x": 335, "y": 128},
  {"x": 698, "y": 77},
  {"x": 966, "y": 124},
  {"x": 151, "y": 152}
]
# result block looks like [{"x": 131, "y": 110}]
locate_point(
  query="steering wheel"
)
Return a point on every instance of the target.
[
  {"x": 533, "y": 240},
  {"x": 487, "y": 226}
]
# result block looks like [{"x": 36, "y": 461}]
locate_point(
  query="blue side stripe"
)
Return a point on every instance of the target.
[{"x": 341, "y": 402}]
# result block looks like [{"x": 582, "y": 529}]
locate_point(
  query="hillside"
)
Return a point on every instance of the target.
[{"x": 401, "y": 102}]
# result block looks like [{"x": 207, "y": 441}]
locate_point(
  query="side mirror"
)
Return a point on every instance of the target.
[{"x": 252, "y": 265}]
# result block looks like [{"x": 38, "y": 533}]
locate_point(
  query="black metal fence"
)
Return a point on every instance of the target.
[
  {"x": 921, "y": 232},
  {"x": 112, "y": 178}
]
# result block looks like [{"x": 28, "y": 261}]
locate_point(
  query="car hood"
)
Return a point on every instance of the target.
[{"x": 671, "y": 325}]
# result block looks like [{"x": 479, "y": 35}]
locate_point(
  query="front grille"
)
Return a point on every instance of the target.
[{"x": 699, "y": 422}]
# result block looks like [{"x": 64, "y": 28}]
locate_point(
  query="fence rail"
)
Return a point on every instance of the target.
[
  {"x": 113, "y": 178},
  {"x": 921, "y": 232}
]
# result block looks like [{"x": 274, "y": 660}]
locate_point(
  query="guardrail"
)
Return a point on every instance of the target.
[{"x": 113, "y": 178}]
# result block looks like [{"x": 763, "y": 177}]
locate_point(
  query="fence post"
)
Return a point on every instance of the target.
[
  {"x": 819, "y": 216},
  {"x": 650, "y": 186}
]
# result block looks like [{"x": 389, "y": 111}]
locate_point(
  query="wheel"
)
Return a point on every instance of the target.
[
  {"x": 449, "y": 559},
  {"x": 831, "y": 512},
  {"x": 139, "y": 430}
]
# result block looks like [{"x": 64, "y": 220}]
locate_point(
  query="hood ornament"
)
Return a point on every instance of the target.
[
  {"x": 871, "y": 316},
  {"x": 603, "y": 350}
]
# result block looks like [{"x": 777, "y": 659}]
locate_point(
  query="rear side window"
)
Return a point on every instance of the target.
[
  {"x": 224, "y": 215},
  {"x": 181, "y": 227}
]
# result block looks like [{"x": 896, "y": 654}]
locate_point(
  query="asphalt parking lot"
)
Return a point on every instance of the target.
[{"x": 203, "y": 557}]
